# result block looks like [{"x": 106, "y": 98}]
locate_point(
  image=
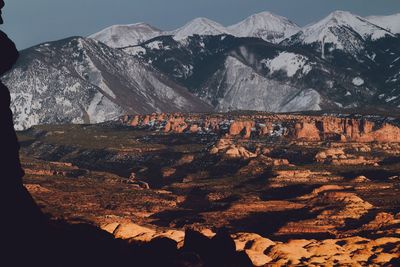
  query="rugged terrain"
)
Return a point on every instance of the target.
[
  {"x": 264, "y": 63},
  {"x": 290, "y": 189},
  {"x": 79, "y": 80}
]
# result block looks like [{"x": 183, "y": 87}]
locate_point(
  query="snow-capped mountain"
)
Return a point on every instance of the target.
[
  {"x": 355, "y": 45},
  {"x": 79, "y": 80},
  {"x": 198, "y": 26},
  {"x": 118, "y": 36},
  {"x": 340, "y": 30},
  {"x": 390, "y": 23},
  {"x": 341, "y": 62},
  {"x": 265, "y": 25},
  {"x": 247, "y": 73}
]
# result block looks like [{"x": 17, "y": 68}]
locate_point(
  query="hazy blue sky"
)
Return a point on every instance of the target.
[{"x": 30, "y": 22}]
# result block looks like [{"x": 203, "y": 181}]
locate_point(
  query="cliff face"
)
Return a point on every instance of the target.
[
  {"x": 347, "y": 129},
  {"x": 296, "y": 127}
]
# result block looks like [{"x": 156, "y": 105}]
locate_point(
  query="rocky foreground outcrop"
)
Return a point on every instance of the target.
[
  {"x": 261, "y": 251},
  {"x": 343, "y": 128}
]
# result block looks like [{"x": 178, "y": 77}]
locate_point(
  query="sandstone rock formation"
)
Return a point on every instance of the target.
[
  {"x": 239, "y": 127},
  {"x": 298, "y": 127},
  {"x": 307, "y": 131},
  {"x": 261, "y": 251},
  {"x": 230, "y": 150},
  {"x": 337, "y": 156}
]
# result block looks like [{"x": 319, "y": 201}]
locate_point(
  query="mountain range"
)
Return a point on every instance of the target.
[{"x": 265, "y": 62}]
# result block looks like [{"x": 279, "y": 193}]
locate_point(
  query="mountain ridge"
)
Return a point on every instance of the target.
[
  {"x": 83, "y": 80},
  {"x": 123, "y": 35},
  {"x": 389, "y": 22},
  {"x": 79, "y": 80},
  {"x": 265, "y": 25}
]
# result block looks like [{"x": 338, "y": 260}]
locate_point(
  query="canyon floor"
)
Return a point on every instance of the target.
[{"x": 291, "y": 190}]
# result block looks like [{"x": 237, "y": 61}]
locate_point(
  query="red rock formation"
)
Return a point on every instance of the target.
[
  {"x": 307, "y": 131},
  {"x": 237, "y": 127},
  {"x": 135, "y": 121},
  {"x": 167, "y": 127},
  {"x": 146, "y": 120},
  {"x": 306, "y": 128},
  {"x": 267, "y": 129},
  {"x": 388, "y": 133}
]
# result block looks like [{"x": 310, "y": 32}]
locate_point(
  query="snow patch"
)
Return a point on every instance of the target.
[
  {"x": 243, "y": 89},
  {"x": 155, "y": 45},
  {"x": 289, "y": 62},
  {"x": 390, "y": 99},
  {"x": 358, "y": 81},
  {"x": 135, "y": 51}
]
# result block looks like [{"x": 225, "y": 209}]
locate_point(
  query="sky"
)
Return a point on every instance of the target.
[{"x": 30, "y": 22}]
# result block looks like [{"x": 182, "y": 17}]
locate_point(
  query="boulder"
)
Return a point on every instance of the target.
[
  {"x": 132, "y": 230},
  {"x": 241, "y": 127}
]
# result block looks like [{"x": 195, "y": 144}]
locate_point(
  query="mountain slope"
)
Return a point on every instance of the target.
[
  {"x": 390, "y": 23},
  {"x": 243, "y": 89},
  {"x": 265, "y": 25},
  {"x": 354, "y": 44},
  {"x": 118, "y": 36},
  {"x": 340, "y": 30},
  {"x": 245, "y": 73},
  {"x": 82, "y": 81}
]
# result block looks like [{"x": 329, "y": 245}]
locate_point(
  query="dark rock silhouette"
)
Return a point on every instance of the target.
[
  {"x": 219, "y": 251},
  {"x": 9, "y": 145},
  {"x": 29, "y": 238},
  {"x": 22, "y": 222}
]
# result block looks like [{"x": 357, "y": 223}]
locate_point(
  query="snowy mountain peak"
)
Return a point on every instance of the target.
[
  {"x": 342, "y": 30},
  {"x": 340, "y": 15},
  {"x": 199, "y": 26},
  {"x": 267, "y": 16},
  {"x": 265, "y": 25},
  {"x": 345, "y": 18},
  {"x": 339, "y": 21},
  {"x": 390, "y": 23},
  {"x": 118, "y": 36}
]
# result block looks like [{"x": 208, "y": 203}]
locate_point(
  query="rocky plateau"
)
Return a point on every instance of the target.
[{"x": 228, "y": 189}]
